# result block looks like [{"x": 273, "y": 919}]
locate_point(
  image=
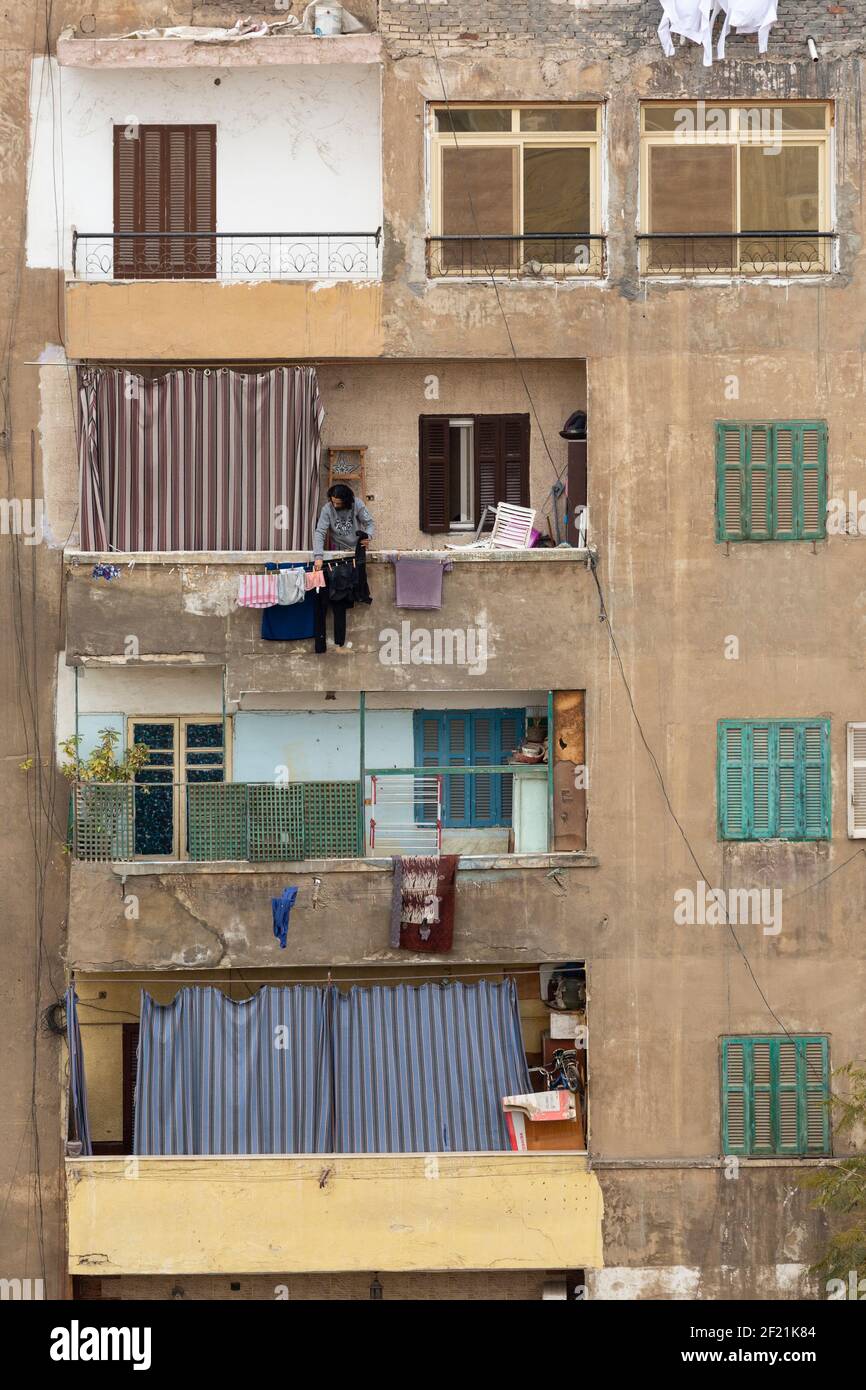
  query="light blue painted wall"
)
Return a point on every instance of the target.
[
  {"x": 89, "y": 727},
  {"x": 318, "y": 746}
]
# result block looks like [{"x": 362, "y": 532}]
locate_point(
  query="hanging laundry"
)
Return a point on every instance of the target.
[
  {"x": 257, "y": 590},
  {"x": 291, "y": 586},
  {"x": 419, "y": 582},
  {"x": 281, "y": 908},
  {"x": 290, "y": 622},
  {"x": 747, "y": 17},
  {"x": 105, "y": 572},
  {"x": 315, "y": 579},
  {"x": 691, "y": 19},
  {"x": 426, "y": 903},
  {"x": 345, "y": 585}
]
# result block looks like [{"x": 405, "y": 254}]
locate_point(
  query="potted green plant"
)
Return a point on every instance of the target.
[{"x": 102, "y": 794}]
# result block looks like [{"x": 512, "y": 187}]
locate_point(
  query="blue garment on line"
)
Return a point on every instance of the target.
[
  {"x": 292, "y": 622},
  {"x": 281, "y": 908}
]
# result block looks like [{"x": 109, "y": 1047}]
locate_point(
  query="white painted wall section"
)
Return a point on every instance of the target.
[{"x": 298, "y": 148}]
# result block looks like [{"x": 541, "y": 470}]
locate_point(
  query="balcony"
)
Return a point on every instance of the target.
[
  {"x": 333, "y": 1213},
  {"x": 539, "y": 256},
  {"x": 226, "y": 256},
  {"x": 181, "y": 608},
  {"x": 721, "y": 255}
]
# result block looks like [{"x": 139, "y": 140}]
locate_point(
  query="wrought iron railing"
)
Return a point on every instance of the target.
[
  {"x": 773, "y": 254},
  {"x": 208, "y": 821},
  {"x": 536, "y": 256},
  {"x": 227, "y": 255}
]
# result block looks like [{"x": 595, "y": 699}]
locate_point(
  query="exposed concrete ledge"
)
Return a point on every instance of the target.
[
  {"x": 158, "y": 868},
  {"x": 276, "y": 50},
  {"x": 675, "y": 1164},
  {"x": 556, "y": 555}
]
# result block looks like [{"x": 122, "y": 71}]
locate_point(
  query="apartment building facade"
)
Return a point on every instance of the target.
[{"x": 475, "y": 224}]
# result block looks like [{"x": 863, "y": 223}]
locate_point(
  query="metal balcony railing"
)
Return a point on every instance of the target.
[
  {"x": 537, "y": 256},
  {"x": 227, "y": 255},
  {"x": 772, "y": 254},
  {"x": 210, "y": 821}
]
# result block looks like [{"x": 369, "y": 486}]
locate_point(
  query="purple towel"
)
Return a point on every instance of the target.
[{"x": 419, "y": 583}]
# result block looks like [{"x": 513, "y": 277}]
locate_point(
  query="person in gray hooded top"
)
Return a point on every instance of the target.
[{"x": 345, "y": 518}]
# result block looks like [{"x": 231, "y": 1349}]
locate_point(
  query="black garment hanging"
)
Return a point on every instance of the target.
[{"x": 345, "y": 585}]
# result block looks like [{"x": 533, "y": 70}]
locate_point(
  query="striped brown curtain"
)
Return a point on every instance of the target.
[{"x": 199, "y": 459}]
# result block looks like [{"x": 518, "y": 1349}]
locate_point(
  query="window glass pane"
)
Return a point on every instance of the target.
[
  {"x": 691, "y": 189},
  {"x": 688, "y": 118},
  {"x": 558, "y": 118},
  {"x": 479, "y": 191},
  {"x": 469, "y": 118},
  {"x": 779, "y": 191},
  {"x": 461, "y": 480},
  {"x": 555, "y": 190},
  {"x": 803, "y": 117}
]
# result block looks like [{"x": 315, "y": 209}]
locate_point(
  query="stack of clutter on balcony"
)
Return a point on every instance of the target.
[{"x": 423, "y": 902}]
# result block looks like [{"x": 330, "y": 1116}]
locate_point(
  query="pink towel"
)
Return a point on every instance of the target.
[
  {"x": 315, "y": 580},
  {"x": 257, "y": 591}
]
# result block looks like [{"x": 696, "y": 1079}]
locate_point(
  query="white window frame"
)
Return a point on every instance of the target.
[{"x": 466, "y": 425}]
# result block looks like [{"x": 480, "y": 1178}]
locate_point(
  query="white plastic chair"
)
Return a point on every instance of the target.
[{"x": 512, "y": 529}]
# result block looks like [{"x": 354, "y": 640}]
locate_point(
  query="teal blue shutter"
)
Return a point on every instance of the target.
[
  {"x": 785, "y": 489},
  {"x": 730, "y": 482},
  {"x": 484, "y": 787},
  {"x": 511, "y": 733},
  {"x": 457, "y": 791},
  {"x": 774, "y": 779},
  {"x": 429, "y": 752},
  {"x": 760, "y": 1079}
]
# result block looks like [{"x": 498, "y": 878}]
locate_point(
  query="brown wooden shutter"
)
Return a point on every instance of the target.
[
  {"x": 434, "y": 438},
  {"x": 514, "y": 477},
  {"x": 165, "y": 181},
  {"x": 488, "y": 463},
  {"x": 501, "y": 460}
]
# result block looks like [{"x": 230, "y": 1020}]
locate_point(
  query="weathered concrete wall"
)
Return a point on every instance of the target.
[
  {"x": 220, "y": 917},
  {"x": 514, "y": 607}
]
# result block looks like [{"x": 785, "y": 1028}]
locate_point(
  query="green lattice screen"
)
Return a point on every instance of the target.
[
  {"x": 216, "y": 819},
  {"x": 276, "y": 821},
  {"x": 102, "y": 821},
  {"x": 331, "y": 820}
]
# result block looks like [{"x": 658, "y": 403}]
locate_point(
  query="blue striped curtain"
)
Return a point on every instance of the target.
[
  {"x": 221, "y": 1076},
  {"x": 298, "y": 1069},
  {"x": 424, "y": 1068},
  {"x": 77, "y": 1084}
]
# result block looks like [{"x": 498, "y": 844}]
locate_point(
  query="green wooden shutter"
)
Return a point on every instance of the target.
[
  {"x": 815, "y": 780},
  {"x": 785, "y": 488},
  {"x": 735, "y": 1097},
  {"x": 759, "y": 523},
  {"x": 760, "y": 787},
  {"x": 814, "y": 1084},
  {"x": 730, "y": 481},
  {"x": 813, "y": 481},
  {"x": 788, "y": 778},
  {"x": 774, "y": 1096},
  {"x": 733, "y": 767}
]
